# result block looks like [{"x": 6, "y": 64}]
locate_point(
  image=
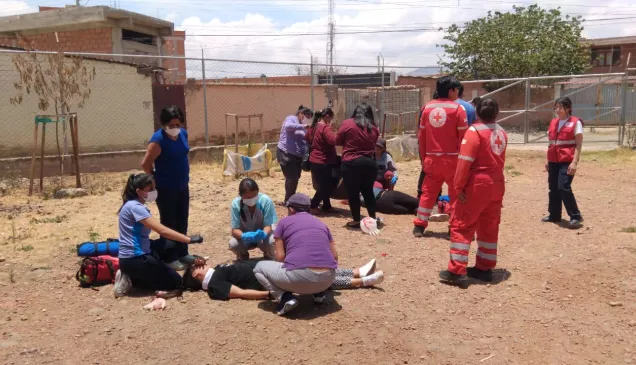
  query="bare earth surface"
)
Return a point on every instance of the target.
[{"x": 565, "y": 297}]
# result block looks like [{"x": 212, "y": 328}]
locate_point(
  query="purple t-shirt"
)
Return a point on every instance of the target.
[{"x": 307, "y": 242}]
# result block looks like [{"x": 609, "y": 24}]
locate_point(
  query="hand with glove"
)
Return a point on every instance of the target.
[
  {"x": 196, "y": 239},
  {"x": 394, "y": 179},
  {"x": 248, "y": 237},
  {"x": 260, "y": 235}
]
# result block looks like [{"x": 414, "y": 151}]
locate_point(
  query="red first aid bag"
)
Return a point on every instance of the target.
[{"x": 98, "y": 270}]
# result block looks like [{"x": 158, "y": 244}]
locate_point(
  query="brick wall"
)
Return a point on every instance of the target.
[
  {"x": 289, "y": 80},
  {"x": 175, "y": 46},
  {"x": 96, "y": 40}
]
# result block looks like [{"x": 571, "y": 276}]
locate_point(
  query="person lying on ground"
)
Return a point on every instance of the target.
[
  {"x": 237, "y": 280},
  {"x": 397, "y": 202},
  {"x": 387, "y": 171},
  {"x": 306, "y": 256},
  {"x": 253, "y": 218},
  {"x": 142, "y": 260}
]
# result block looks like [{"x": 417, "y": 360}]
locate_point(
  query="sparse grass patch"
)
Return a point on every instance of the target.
[
  {"x": 56, "y": 219},
  {"x": 630, "y": 229},
  {"x": 26, "y": 248},
  {"x": 510, "y": 170},
  {"x": 92, "y": 235}
]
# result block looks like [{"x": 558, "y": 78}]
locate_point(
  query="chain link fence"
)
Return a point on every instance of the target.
[{"x": 245, "y": 102}]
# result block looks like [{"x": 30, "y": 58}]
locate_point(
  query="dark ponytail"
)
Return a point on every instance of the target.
[
  {"x": 135, "y": 181},
  {"x": 304, "y": 110},
  {"x": 317, "y": 116},
  {"x": 247, "y": 184}
]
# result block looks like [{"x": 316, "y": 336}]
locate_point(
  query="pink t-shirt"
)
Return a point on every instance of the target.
[{"x": 307, "y": 242}]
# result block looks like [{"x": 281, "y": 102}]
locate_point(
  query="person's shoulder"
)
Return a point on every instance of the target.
[
  {"x": 265, "y": 199},
  {"x": 184, "y": 132},
  {"x": 157, "y": 136},
  {"x": 236, "y": 202}
]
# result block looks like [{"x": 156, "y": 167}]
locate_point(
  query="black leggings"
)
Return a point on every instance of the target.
[
  {"x": 174, "y": 209},
  {"x": 323, "y": 183},
  {"x": 291, "y": 167},
  {"x": 396, "y": 202},
  {"x": 149, "y": 271},
  {"x": 358, "y": 176}
]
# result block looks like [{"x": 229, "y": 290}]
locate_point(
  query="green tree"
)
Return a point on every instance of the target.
[{"x": 526, "y": 42}]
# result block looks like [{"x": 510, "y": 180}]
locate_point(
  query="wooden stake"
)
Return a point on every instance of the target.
[
  {"x": 236, "y": 144},
  {"x": 35, "y": 148},
  {"x": 260, "y": 116},
  {"x": 42, "y": 158},
  {"x": 75, "y": 142}
]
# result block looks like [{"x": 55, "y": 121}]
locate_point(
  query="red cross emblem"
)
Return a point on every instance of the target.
[
  {"x": 437, "y": 118},
  {"x": 498, "y": 141}
]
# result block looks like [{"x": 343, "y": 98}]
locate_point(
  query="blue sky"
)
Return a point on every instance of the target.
[{"x": 263, "y": 17}]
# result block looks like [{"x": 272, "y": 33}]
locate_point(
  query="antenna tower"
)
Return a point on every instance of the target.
[{"x": 330, "y": 44}]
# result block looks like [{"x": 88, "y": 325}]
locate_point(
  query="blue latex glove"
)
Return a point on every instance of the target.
[
  {"x": 394, "y": 180},
  {"x": 444, "y": 198},
  {"x": 248, "y": 237},
  {"x": 260, "y": 235}
]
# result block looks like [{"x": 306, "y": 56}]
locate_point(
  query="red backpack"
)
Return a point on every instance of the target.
[{"x": 98, "y": 270}]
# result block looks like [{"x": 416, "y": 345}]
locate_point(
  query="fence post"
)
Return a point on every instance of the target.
[
  {"x": 205, "y": 104},
  {"x": 381, "y": 106},
  {"x": 311, "y": 74},
  {"x": 622, "y": 121},
  {"x": 526, "y": 122}
]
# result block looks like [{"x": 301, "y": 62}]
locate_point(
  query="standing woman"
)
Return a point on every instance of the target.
[
  {"x": 168, "y": 152},
  {"x": 565, "y": 136},
  {"x": 323, "y": 159},
  {"x": 358, "y": 136},
  {"x": 291, "y": 148}
]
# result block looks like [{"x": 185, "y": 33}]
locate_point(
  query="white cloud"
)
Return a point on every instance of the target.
[
  {"x": 15, "y": 7},
  {"x": 416, "y": 49}
]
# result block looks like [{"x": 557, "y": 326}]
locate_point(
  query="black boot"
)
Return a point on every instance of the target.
[
  {"x": 480, "y": 275},
  {"x": 575, "y": 223},
  {"x": 418, "y": 231},
  {"x": 454, "y": 279}
]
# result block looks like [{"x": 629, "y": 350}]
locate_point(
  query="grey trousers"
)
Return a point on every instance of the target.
[
  {"x": 267, "y": 246},
  {"x": 278, "y": 280}
]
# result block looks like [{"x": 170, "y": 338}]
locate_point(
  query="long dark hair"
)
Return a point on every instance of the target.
[
  {"x": 321, "y": 113},
  {"x": 135, "y": 181},
  {"x": 363, "y": 116},
  {"x": 487, "y": 110},
  {"x": 189, "y": 282},
  {"x": 566, "y": 103},
  {"x": 247, "y": 184}
]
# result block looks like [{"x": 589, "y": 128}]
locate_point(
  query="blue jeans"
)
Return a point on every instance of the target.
[{"x": 560, "y": 184}]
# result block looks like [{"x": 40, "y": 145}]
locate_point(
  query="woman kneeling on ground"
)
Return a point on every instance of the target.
[
  {"x": 237, "y": 280},
  {"x": 141, "y": 260},
  {"x": 305, "y": 253},
  {"x": 253, "y": 217}
]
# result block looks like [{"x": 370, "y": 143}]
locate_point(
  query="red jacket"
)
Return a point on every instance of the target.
[
  {"x": 483, "y": 151},
  {"x": 562, "y": 144},
  {"x": 323, "y": 144},
  {"x": 442, "y": 126}
]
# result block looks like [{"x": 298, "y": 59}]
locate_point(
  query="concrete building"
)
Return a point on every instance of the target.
[
  {"x": 611, "y": 54},
  {"x": 98, "y": 29}
]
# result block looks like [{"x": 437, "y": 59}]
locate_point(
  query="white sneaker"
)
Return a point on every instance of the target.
[
  {"x": 367, "y": 269},
  {"x": 442, "y": 217},
  {"x": 122, "y": 284},
  {"x": 373, "y": 279}
]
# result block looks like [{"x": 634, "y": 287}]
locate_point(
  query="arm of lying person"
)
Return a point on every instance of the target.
[
  {"x": 164, "y": 231},
  {"x": 236, "y": 292}
]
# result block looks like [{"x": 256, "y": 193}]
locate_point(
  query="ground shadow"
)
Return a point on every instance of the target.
[
  {"x": 307, "y": 310},
  {"x": 335, "y": 212},
  {"x": 566, "y": 224},
  {"x": 498, "y": 276},
  {"x": 440, "y": 235}
]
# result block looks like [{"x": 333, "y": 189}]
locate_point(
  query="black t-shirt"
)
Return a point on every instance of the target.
[{"x": 240, "y": 274}]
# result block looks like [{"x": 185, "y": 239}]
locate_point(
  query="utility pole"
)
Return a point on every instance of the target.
[{"x": 330, "y": 44}]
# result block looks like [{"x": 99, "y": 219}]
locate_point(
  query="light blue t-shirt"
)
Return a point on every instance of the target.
[
  {"x": 264, "y": 215},
  {"x": 471, "y": 113},
  {"x": 133, "y": 235}
]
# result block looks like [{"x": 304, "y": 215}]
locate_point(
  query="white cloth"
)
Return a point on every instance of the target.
[
  {"x": 578, "y": 129},
  {"x": 206, "y": 279}
]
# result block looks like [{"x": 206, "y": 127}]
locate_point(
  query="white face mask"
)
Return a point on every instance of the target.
[
  {"x": 172, "y": 132},
  {"x": 151, "y": 197},
  {"x": 250, "y": 202}
]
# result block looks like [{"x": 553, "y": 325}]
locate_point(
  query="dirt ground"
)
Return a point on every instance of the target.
[{"x": 564, "y": 297}]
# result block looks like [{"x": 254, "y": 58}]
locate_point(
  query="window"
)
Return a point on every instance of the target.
[
  {"x": 131, "y": 35},
  {"x": 606, "y": 57}
]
